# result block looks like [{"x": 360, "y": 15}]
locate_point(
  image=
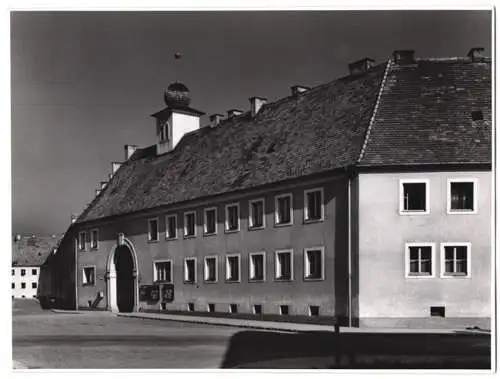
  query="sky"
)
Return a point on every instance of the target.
[{"x": 84, "y": 84}]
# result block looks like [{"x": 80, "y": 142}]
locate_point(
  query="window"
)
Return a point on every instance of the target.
[
  {"x": 455, "y": 259},
  {"x": 88, "y": 276},
  {"x": 313, "y": 205},
  {"x": 13, "y": 272},
  {"x": 171, "y": 230},
  {"x": 210, "y": 221},
  {"x": 283, "y": 210},
  {"x": 163, "y": 271},
  {"x": 233, "y": 268},
  {"x": 13, "y": 285},
  {"x": 314, "y": 263},
  {"x": 477, "y": 115},
  {"x": 81, "y": 241},
  {"x": 211, "y": 269},
  {"x": 257, "y": 309},
  {"x": 233, "y": 308},
  {"x": 420, "y": 260},
  {"x": 232, "y": 217},
  {"x": 189, "y": 224},
  {"x": 284, "y": 310},
  {"x": 437, "y": 311},
  {"x": 211, "y": 308},
  {"x": 23, "y": 272},
  {"x": 190, "y": 307},
  {"x": 313, "y": 310},
  {"x": 153, "y": 229},
  {"x": 33, "y": 285},
  {"x": 256, "y": 214},
  {"x": 257, "y": 266},
  {"x": 23, "y": 285},
  {"x": 461, "y": 196},
  {"x": 162, "y": 130},
  {"x": 284, "y": 265},
  {"x": 33, "y": 271},
  {"x": 414, "y": 196},
  {"x": 94, "y": 239},
  {"x": 190, "y": 270}
]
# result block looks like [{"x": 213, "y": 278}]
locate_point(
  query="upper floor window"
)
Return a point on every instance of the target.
[
  {"x": 232, "y": 217},
  {"x": 34, "y": 271},
  {"x": 257, "y": 266},
  {"x": 256, "y": 213},
  {"x": 414, "y": 196},
  {"x": 13, "y": 271},
  {"x": 94, "y": 239},
  {"x": 23, "y": 272},
  {"x": 88, "y": 278},
  {"x": 314, "y": 262},
  {"x": 211, "y": 269},
  {"x": 283, "y": 209},
  {"x": 420, "y": 260},
  {"x": 163, "y": 271},
  {"x": 190, "y": 270},
  {"x": 81, "y": 241},
  {"x": 462, "y": 195},
  {"x": 33, "y": 285},
  {"x": 210, "y": 221},
  {"x": 189, "y": 224},
  {"x": 313, "y": 205},
  {"x": 233, "y": 268},
  {"x": 284, "y": 265},
  {"x": 153, "y": 229},
  {"x": 171, "y": 229},
  {"x": 455, "y": 259}
]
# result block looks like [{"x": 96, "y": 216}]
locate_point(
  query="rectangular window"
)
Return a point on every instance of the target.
[
  {"x": 189, "y": 224},
  {"x": 313, "y": 310},
  {"x": 171, "y": 230},
  {"x": 283, "y": 210},
  {"x": 256, "y": 214},
  {"x": 211, "y": 308},
  {"x": 257, "y": 266},
  {"x": 13, "y": 272},
  {"x": 233, "y": 308},
  {"x": 313, "y": 205},
  {"x": 414, "y": 196},
  {"x": 88, "y": 276},
  {"x": 23, "y": 272},
  {"x": 23, "y": 285},
  {"x": 232, "y": 217},
  {"x": 153, "y": 229},
  {"x": 257, "y": 309},
  {"x": 284, "y": 310},
  {"x": 314, "y": 263},
  {"x": 163, "y": 271},
  {"x": 284, "y": 265},
  {"x": 33, "y": 271},
  {"x": 81, "y": 241},
  {"x": 94, "y": 239},
  {"x": 211, "y": 269},
  {"x": 190, "y": 307},
  {"x": 33, "y": 285},
  {"x": 190, "y": 270},
  {"x": 210, "y": 221},
  {"x": 462, "y": 195},
  {"x": 13, "y": 285},
  {"x": 420, "y": 260},
  {"x": 455, "y": 259},
  {"x": 233, "y": 268}
]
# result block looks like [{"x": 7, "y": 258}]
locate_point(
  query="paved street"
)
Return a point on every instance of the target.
[{"x": 44, "y": 339}]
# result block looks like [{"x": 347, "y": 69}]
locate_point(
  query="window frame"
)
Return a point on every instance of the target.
[
  {"x": 34, "y": 285},
  {"x": 155, "y": 272},
  {"x": 23, "y": 285},
  {"x": 443, "y": 275},
  {"x": 167, "y": 217},
  {"x": 432, "y": 245},
  {"x": 322, "y": 250},
  {"x": 35, "y": 272},
  {"x": 276, "y": 253},
  {"x": 205, "y": 269},
  {"x": 227, "y": 280},
  {"x": 93, "y": 267},
  {"x": 92, "y": 247},
  {"x": 250, "y": 223},
  {"x": 22, "y": 272},
  {"x": 474, "y": 182},
  {"x": 250, "y": 264},
  {"x": 402, "y": 182},
  {"x": 276, "y": 208},
  {"x": 306, "y": 205},
  {"x": 205, "y": 232},
  {"x": 185, "y": 235},
  {"x": 226, "y": 220},
  {"x": 150, "y": 240},
  {"x": 195, "y": 259},
  {"x": 82, "y": 247}
]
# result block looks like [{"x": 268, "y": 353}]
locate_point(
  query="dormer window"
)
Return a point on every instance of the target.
[{"x": 163, "y": 130}]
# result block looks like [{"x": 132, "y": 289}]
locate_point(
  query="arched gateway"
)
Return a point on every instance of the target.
[{"x": 122, "y": 286}]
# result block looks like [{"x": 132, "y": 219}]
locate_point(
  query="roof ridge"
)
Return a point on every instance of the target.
[{"x": 374, "y": 113}]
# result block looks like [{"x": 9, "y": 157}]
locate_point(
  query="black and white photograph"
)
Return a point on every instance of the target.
[{"x": 241, "y": 189}]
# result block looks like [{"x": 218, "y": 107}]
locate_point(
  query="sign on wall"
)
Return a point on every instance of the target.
[
  {"x": 167, "y": 293},
  {"x": 149, "y": 293}
]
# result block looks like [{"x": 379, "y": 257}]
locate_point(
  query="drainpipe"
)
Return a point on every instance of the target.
[
  {"x": 76, "y": 273},
  {"x": 349, "y": 263}
]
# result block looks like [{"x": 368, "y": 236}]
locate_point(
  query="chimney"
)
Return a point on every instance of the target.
[
  {"x": 103, "y": 185},
  {"x": 296, "y": 90},
  {"x": 360, "y": 66},
  {"x": 129, "y": 150},
  {"x": 256, "y": 103},
  {"x": 74, "y": 216},
  {"x": 115, "y": 166},
  {"x": 476, "y": 54},
  {"x": 404, "y": 57},
  {"x": 215, "y": 119},
  {"x": 234, "y": 112},
  {"x": 97, "y": 192}
]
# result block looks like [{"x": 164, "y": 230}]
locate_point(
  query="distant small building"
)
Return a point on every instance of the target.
[{"x": 29, "y": 253}]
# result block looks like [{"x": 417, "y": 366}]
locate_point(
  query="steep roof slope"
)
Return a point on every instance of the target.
[
  {"x": 33, "y": 250},
  {"x": 424, "y": 114},
  {"x": 319, "y": 130}
]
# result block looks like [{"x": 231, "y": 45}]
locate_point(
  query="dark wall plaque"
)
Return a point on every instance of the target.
[{"x": 167, "y": 291}]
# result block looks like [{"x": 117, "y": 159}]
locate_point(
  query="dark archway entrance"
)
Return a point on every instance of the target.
[{"x": 125, "y": 288}]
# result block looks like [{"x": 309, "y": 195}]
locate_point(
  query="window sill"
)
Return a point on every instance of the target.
[
  {"x": 455, "y": 276},
  {"x": 283, "y": 280},
  {"x": 420, "y": 276},
  {"x": 153, "y": 241},
  {"x": 88, "y": 285},
  {"x": 256, "y": 280},
  {"x": 283, "y": 225},
  {"x": 414, "y": 213},
  {"x": 227, "y": 231},
  {"x": 210, "y": 281},
  {"x": 171, "y": 238},
  {"x": 189, "y": 282},
  {"x": 189, "y": 237},
  {"x": 251, "y": 228},
  {"x": 308, "y": 279},
  {"x": 232, "y": 281},
  {"x": 94, "y": 248},
  {"x": 209, "y": 234},
  {"x": 314, "y": 221},
  {"x": 162, "y": 282},
  {"x": 462, "y": 212},
  {"x": 81, "y": 250}
]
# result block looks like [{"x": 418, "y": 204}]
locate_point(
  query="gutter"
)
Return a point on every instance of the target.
[
  {"x": 349, "y": 252},
  {"x": 76, "y": 272}
]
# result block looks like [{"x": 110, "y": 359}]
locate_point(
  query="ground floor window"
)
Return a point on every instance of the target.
[
  {"x": 232, "y": 268},
  {"x": 455, "y": 259},
  {"x": 420, "y": 260},
  {"x": 314, "y": 263},
  {"x": 163, "y": 271},
  {"x": 257, "y": 264},
  {"x": 283, "y": 263},
  {"x": 88, "y": 276},
  {"x": 190, "y": 270},
  {"x": 211, "y": 269}
]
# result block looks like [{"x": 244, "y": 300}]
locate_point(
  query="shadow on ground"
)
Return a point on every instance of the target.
[{"x": 324, "y": 350}]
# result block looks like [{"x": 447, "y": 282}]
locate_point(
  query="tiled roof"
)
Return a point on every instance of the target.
[
  {"x": 33, "y": 250},
  {"x": 390, "y": 115}
]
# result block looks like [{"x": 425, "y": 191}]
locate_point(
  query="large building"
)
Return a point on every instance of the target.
[{"x": 366, "y": 199}]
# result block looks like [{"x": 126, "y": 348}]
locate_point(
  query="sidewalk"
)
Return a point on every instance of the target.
[{"x": 287, "y": 326}]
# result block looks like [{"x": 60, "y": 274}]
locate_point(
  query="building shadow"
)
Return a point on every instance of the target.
[{"x": 325, "y": 350}]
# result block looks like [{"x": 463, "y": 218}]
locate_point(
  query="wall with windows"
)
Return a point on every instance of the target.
[
  {"x": 25, "y": 281},
  {"x": 423, "y": 245}
]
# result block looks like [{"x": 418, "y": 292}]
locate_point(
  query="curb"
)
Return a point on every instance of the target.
[{"x": 64, "y": 311}]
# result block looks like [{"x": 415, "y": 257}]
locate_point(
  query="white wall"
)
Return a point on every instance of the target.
[{"x": 28, "y": 279}]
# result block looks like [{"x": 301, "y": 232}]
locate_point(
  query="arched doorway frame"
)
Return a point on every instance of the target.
[{"x": 112, "y": 296}]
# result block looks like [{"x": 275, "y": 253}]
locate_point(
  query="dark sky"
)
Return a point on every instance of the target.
[{"x": 85, "y": 83}]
